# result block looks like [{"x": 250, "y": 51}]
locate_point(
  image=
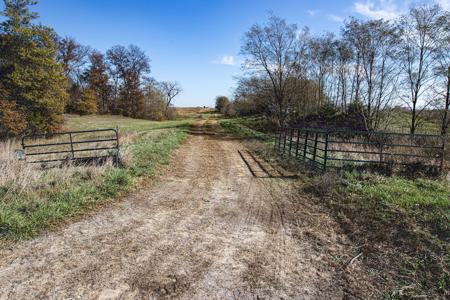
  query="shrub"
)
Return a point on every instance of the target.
[
  {"x": 221, "y": 103},
  {"x": 328, "y": 111},
  {"x": 87, "y": 104},
  {"x": 244, "y": 107},
  {"x": 155, "y": 107},
  {"x": 12, "y": 121}
]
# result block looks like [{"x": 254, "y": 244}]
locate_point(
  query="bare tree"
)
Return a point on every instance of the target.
[
  {"x": 446, "y": 104},
  {"x": 257, "y": 91},
  {"x": 272, "y": 51},
  {"x": 291, "y": 74},
  {"x": 442, "y": 70},
  {"x": 419, "y": 29},
  {"x": 155, "y": 102},
  {"x": 344, "y": 56},
  {"x": 129, "y": 67},
  {"x": 74, "y": 58},
  {"x": 375, "y": 45},
  {"x": 322, "y": 54},
  {"x": 170, "y": 89}
]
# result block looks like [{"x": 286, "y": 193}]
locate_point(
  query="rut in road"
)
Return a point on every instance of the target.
[{"x": 207, "y": 229}]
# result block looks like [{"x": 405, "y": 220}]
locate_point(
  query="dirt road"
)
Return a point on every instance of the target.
[{"x": 208, "y": 229}]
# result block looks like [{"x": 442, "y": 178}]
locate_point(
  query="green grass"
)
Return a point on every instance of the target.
[
  {"x": 402, "y": 225},
  {"x": 400, "y": 121},
  {"x": 426, "y": 201},
  {"x": 239, "y": 128},
  {"x": 54, "y": 195},
  {"x": 125, "y": 124}
]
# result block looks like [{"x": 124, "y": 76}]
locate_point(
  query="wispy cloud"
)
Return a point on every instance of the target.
[
  {"x": 445, "y": 4},
  {"x": 379, "y": 9},
  {"x": 311, "y": 12},
  {"x": 332, "y": 17},
  {"x": 227, "y": 60},
  {"x": 336, "y": 18}
]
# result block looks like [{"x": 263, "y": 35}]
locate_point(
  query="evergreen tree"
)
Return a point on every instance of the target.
[
  {"x": 87, "y": 104},
  {"x": 33, "y": 83}
]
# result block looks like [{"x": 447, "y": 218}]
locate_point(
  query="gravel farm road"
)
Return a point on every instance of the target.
[{"x": 207, "y": 228}]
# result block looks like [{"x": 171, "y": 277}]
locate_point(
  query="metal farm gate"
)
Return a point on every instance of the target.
[
  {"x": 324, "y": 149},
  {"x": 85, "y": 146}
]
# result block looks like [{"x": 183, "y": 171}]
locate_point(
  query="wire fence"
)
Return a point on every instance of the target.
[{"x": 325, "y": 149}]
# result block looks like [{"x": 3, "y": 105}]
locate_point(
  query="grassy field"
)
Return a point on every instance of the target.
[
  {"x": 402, "y": 225},
  {"x": 427, "y": 199},
  {"x": 240, "y": 128},
  {"x": 400, "y": 122},
  {"x": 33, "y": 199}
]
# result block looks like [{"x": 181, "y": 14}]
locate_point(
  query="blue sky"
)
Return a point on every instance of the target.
[{"x": 197, "y": 42}]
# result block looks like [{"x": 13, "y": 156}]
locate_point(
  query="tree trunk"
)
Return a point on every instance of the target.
[
  {"x": 412, "y": 130},
  {"x": 445, "y": 120}
]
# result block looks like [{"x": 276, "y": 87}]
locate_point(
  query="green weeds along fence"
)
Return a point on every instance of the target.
[{"x": 324, "y": 149}]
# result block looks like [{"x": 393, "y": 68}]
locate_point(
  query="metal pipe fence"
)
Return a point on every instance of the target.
[
  {"x": 324, "y": 149},
  {"x": 83, "y": 146}
]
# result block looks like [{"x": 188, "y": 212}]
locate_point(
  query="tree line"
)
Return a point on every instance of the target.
[
  {"x": 43, "y": 75},
  {"x": 370, "y": 69}
]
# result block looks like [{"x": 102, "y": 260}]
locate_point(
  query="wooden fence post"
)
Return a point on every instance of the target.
[{"x": 284, "y": 140}]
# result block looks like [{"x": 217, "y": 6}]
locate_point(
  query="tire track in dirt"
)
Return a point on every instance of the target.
[{"x": 207, "y": 230}]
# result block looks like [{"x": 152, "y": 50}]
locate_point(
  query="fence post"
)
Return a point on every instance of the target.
[
  {"x": 325, "y": 156},
  {"x": 315, "y": 147},
  {"x": 117, "y": 147},
  {"x": 284, "y": 140},
  {"x": 290, "y": 141},
  {"x": 444, "y": 142},
  {"x": 381, "y": 150},
  {"x": 298, "y": 141},
  {"x": 306, "y": 145},
  {"x": 71, "y": 145}
]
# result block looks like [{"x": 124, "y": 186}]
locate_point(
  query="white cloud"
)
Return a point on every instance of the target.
[
  {"x": 445, "y": 4},
  {"x": 311, "y": 12},
  {"x": 335, "y": 18},
  {"x": 226, "y": 60},
  {"x": 379, "y": 9}
]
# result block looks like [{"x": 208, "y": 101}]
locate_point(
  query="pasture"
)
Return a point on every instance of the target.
[{"x": 32, "y": 198}]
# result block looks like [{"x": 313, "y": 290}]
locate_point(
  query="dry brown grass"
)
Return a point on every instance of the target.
[
  {"x": 19, "y": 177},
  {"x": 37, "y": 196},
  {"x": 189, "y": 112},
  {"x": 15, "y": 175}
]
